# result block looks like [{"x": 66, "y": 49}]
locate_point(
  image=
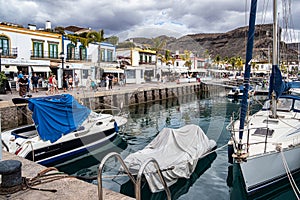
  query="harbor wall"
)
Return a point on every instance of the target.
[{"x": 13, "y": 116}]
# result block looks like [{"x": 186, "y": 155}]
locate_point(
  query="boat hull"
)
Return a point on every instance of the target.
[
  {"x": 67, "y": 150},
  {"x": 264, "y": 170}
]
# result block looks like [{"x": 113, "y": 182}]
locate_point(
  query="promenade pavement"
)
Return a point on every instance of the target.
[{"x": 84, "y": 90}]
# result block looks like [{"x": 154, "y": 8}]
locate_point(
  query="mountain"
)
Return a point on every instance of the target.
[{"x": 228, "y": 44}]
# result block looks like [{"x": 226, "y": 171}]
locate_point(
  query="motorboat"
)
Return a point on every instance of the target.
[
  {"x": 176, "y": 151},
  {"x": 178, "y": 189},
  {"x": 237, "y": 92},
  {"x": 266, "y": 145},
  {"x": 62, "y": 128}
]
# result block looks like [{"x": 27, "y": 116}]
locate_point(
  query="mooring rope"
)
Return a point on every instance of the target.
[{"x": 290, "y": 177}]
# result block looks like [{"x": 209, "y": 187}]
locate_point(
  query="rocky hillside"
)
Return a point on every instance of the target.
[{"x": 229, "y": 44}]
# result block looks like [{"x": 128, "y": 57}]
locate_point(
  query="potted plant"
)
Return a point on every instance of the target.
[{"x": 3, "y": 82}]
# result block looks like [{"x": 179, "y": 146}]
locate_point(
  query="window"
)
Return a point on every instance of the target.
[
  {"x": 53, "y": 50},
  {"x": 4, "y": 45},
  {"x": 284, "y": 104},
  {"x": 297, "y": 105},
  {"x": 102, "y": 54},
  {"x": 85, "y": 73},
  {"x": 150, "y": 59},
  {"x": 38, "y": 49},
  {"x": 71, "y": 51},
  {"x": 141, "y": 58},
  {"x": 109, "y": 55},
  {"x": 130, "y": 74},
  {"x": 82, "y": 52}
]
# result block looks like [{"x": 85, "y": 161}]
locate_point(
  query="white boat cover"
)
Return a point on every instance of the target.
[{"x": 175, "y": 149}]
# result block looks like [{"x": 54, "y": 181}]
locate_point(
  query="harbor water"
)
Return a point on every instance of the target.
[{"x": 212, "y": 178}]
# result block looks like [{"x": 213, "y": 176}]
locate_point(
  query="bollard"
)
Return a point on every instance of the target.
[{"x": 10, "y": 171}]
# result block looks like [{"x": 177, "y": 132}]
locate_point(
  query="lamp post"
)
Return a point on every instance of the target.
[
  {"x": 62, "y": 57},
  {"x": 0, "y": 57}
]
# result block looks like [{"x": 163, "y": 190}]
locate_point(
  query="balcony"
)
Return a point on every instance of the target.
[
  {"x": 9, "y": 52},
  {"x": 147, "y": 63},
  {"x": 77, "y": 58},
  {"x": 44, "y": 55}
]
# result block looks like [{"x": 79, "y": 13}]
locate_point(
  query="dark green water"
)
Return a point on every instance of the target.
[{"x": 212, "y": 178}]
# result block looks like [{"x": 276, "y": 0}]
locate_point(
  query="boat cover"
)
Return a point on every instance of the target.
[
  {"x": 177, "y": 150},
  {"x": 57, "y": 115}
]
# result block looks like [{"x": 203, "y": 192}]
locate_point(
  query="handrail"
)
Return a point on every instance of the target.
[
  {"x": 99, "y": 177},
  {"x": 136, "y": 182},
  {"x": 139, "y": 177}
]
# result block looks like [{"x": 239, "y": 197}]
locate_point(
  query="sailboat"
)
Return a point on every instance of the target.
[{"x": 266, "y": 145}]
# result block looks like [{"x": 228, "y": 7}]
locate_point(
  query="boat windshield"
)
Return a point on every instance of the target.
[
  {"x": 297, "y": 105},
  {"x": 284, "y": 104}
]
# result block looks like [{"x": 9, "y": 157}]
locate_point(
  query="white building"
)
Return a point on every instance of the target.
[
  {"x": 29, "y": 50},
  {"x": 90, "y": 62},
  {"x": 139, "y": 64}
]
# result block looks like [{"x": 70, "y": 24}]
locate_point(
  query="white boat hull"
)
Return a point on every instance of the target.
[{"x": 263, "y": 170}]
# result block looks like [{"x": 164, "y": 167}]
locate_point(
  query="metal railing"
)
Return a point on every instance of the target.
[
  {"x": 9, "y": 52},
  {"x": 137, "y": 182}
]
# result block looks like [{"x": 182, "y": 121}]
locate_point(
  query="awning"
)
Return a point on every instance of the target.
[
  {"x": 41, "y": 69},
  {"x": 113, "y": 70},
  {"x": 10, "y": 68}
]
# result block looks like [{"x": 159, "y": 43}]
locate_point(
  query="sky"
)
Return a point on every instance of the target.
[{"x": 149, "y": 18}]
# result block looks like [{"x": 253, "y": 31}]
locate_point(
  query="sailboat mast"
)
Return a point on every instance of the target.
[
  {"x": 275, "y": 34},
  {"x": 275, "y": 56},
  {"x": 249, "y": 51}
]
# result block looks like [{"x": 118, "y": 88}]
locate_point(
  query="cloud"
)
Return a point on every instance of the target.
[{"x": 152, "y": 17}]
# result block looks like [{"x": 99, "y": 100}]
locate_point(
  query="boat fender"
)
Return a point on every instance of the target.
[
  {"x": 116, "y": 127},
  {"x": 230, "y": 151}
]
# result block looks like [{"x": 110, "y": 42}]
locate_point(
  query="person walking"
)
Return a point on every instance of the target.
[
  {"x": 76, "y": 80},
  {"x": 50, "y": 85},
  {"x": 23, "y": 82},
  {"x": 107, "y": 82},
  {"x": 70, "y": 79},
  {"x": 110, "y": 80},
  {"x": 65, "y": 83},
  {"x": 54, "y": 83},
  {"x": 34, "y": 82}
]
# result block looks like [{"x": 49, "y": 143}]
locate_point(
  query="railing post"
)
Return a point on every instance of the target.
[
  {"x": 139, "y": 177},
  {"x": 99, "y": 177}
]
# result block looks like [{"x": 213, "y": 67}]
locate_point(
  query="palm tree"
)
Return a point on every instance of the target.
[
  {"x": 232, "y": 61},
  {"x": 217, "y": 60},
  {"x": 157, "y": 45},
  {"x": 187, "y": 58},
  {"x": 94, "y": 36},
  {"x": 239, "y": 63}
]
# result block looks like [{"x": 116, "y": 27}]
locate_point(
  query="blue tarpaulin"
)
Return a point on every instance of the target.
[{"x": 58, "y": 115}]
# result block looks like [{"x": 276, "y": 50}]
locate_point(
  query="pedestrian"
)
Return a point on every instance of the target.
[
  {"x": 54, "y": 85},
  {"x": 107, "y": 82},
  {"x": 70, "y": 79},
  {"x": 50, "y": 85},
  {"x": 23, "y": 82},
  {"x": 65, "y": 83},
  {"x": 110, "y": 81},
  {"x": 76, "y": 80},
  {"x": 34, "y": 82}
]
